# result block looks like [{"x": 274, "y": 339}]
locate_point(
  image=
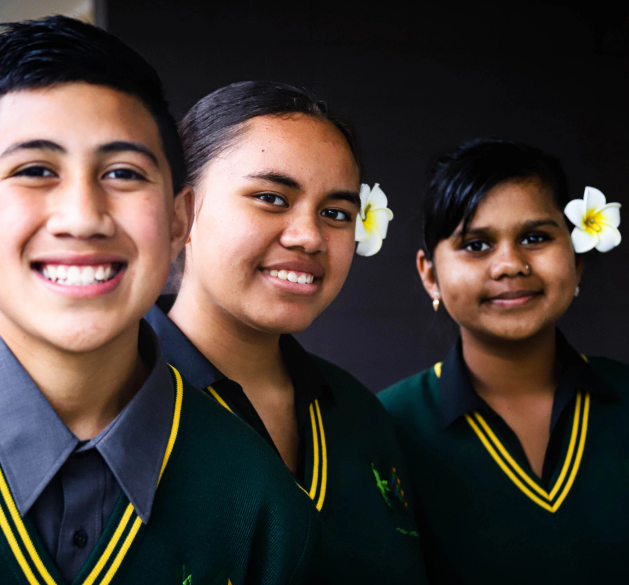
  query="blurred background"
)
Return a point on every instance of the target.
[{"x": 416, "y": 79}]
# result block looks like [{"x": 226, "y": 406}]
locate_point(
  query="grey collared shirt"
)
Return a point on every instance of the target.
[{"x": 69, "y": 488}]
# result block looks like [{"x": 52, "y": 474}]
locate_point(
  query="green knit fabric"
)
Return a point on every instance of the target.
[
  {"x": 365, "y": 539},
  {"x": 477, "y": 525},
  {"x": 226, "y": 511}
]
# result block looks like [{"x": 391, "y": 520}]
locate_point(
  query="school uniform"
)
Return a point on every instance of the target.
[
  {"x": 174, "y": 491},
  {"x": 350, "y": 462},
  {"x": 483, "y": 514}
]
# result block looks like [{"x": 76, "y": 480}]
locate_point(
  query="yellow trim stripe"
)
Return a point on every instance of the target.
[
  {"x": 324, "y": 459},
  {"x": 91, "y": 578},
  {"x": 489, "y": 440},
  {"x": 219, "y": 399},
  {"x": 315, "y": 446}
]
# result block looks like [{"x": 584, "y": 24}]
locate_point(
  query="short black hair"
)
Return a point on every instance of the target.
[
  {"x": 459, "y": 179},
  {"x": 35, "y": 54},
  {"x": 215, "y": 121}
]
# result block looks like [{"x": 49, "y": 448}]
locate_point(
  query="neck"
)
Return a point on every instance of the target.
[
  {"x": 514, "y": 368},
  {"x": 242, "y": 353},
  {"x": 86, "y": 389}
]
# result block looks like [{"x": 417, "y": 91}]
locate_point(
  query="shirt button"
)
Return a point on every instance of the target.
[{"x": 80, "y": 538}]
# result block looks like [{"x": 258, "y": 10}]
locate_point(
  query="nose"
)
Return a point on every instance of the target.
[
  {"x": 303, "y": 231},
  {"x": 509, "y": 261},
  {"x": 80, "y": 209}
]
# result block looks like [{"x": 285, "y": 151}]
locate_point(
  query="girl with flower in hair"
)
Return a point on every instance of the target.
[
  {"x": 279, "y": 207},
  {"x": 516, "y": 443}
]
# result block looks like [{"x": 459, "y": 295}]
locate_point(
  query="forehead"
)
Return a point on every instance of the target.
[
  {"x": 77, "y": 116},
  {"x": 514, "y": 202},
  {"x": 304, "y": 147}
]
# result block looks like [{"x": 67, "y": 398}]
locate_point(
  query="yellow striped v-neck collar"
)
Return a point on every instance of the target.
[
  {"x": 319, "y": 476},
  {"x": 527, "y": 483},
  {"x": 104, "y": 569}
]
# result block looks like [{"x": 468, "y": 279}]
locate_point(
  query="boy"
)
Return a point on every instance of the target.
[{"x": 112, "y": 469}]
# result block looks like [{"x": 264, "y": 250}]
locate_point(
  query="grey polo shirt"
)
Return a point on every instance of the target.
[{"x": 69, "y": 488}]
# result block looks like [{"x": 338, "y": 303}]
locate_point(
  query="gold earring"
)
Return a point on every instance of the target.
[
  {"x": 576, "y": 291},
  {"x": 435, "y": 302},
  {"x": 188, "y": 240}
]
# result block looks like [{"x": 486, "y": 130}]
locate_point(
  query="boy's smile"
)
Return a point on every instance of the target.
[{"x": 88, "y": 221}]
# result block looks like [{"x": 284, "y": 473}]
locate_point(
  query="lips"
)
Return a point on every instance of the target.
[{"x": 514, "y": 298}]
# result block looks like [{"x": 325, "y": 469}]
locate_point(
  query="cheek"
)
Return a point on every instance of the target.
[{"x": 340, "y": 256}]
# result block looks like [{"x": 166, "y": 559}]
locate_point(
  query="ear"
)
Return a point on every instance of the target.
[
  {"x": 183, "y": 216},
  {"x": 426, "y": 269}
]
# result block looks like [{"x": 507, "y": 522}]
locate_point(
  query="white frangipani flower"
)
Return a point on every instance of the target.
[
  {"x": 372, "y": 221},
  {"x": 596, "y": 222}
]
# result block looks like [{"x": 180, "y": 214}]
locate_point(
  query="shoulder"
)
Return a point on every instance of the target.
[
  {"x": 347, "y": 389},
  {"x": 613, "y": 372},
  {"x": 411, "y": 392}
]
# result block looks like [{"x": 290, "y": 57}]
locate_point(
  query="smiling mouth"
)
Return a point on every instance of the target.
[
  {"x": 84, "y": 275},
  {"x": 291, "y": 276}
]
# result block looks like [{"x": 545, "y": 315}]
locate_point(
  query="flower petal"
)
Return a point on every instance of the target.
[
  {"x": 378, "y": 200},
  {"x": 608, "y": 238},
  {"x": 610, "y": 214},
  {"x": 575, "y": 212},
  {"x": 361, "y": 232},
  {"x": 583, "y": 241},
  {"x": 378, "y": 220},
  {"x": 593, "y": 198},
  {"x": 365, "y": 192},
  {"x": 371, "y": 246}
]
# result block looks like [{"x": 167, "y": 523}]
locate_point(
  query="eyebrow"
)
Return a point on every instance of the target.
[
  {"x": 524, "y": 226},
  {"x": 281, "y": 179},
  {"x": 125, "y": 146},
  {"x": 116, "y": 146},
  {"x": 33, "y": 145}
]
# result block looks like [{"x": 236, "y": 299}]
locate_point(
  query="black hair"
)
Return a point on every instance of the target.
[
  {"x": 36, "y": 54},
  {"x": 460, "y": 178},
  {"x": 215, "y": 121}
]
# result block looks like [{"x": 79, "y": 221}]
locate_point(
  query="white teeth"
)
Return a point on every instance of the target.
[
  {"x": 74, "y": 275},
  {"x": 77, "y": 275},
  {"x": 291, "y": 276}
]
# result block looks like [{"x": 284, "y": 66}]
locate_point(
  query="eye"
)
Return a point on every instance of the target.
[
  {"x": 35, "y": 172},
  {"x": 476, "y": 246},
  {"x": 272, "y": 199},
  {"x": 336, "y": 214},
  {"x": 124, "y": 174},
  {"x": 535, "y": 238}
]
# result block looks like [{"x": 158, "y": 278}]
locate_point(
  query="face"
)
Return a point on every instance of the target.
[
  {"x": 513, "y": 274},
  {"x": 273, "y": 237},
  {"x": 88, "y": 221}
]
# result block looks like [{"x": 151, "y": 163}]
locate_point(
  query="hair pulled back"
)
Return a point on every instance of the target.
[
  {"x": 216, "y": 121},
  {"x": 459, "y": 179}
]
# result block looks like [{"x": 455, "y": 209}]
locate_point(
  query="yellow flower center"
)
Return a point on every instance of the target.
[{"x": 591, "y": 222}]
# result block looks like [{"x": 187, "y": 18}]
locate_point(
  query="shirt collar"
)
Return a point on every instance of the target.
[
  {"x": 35, "y": 442},
  {"x": 178, "y": 349},
  {"x": 458, "y": 396}
]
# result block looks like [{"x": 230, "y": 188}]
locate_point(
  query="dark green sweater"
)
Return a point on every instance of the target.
[
  {"x": 225, "y": 511},
  {"x": 484, "y": 517}
]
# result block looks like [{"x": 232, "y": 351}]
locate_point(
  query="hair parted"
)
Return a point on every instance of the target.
[
  {"x": 459, "y": 179},
  {"x": 214, "y": 123},
  {"x": 35, "y": 54}
]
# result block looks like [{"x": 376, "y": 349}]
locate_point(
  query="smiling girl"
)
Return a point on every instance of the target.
[
  {"x": 277, "y": 180},
  {"x": 517, "y": 444}
]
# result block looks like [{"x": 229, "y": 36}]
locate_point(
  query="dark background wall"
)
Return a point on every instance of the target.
[{"x": 415, "y": 82}]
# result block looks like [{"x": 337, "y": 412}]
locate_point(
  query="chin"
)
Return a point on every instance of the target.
[{"x": 283, "y": 325}]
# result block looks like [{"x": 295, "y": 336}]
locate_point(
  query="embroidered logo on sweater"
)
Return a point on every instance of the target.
[
  {"x": 390, "y": 487},
  {"x": 215, "y": 577}
]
